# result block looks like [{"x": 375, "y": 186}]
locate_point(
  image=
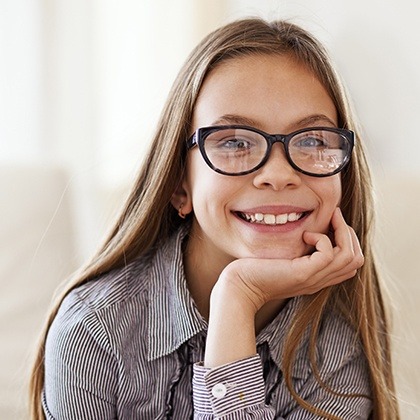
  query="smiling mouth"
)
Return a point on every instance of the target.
[{"x": 271, "y": 219}]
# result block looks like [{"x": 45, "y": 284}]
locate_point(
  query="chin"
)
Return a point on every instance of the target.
[{"x": 282, "y": 253}]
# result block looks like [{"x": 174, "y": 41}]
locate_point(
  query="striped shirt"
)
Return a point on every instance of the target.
[{"x": 130, "y": 344}]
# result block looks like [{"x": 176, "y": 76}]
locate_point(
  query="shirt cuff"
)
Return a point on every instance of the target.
[{"x": 225, "y": 389}]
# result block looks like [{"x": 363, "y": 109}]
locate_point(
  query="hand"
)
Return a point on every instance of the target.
[
  {"x": 245, "y": 285},
  {"x": 258, "y": 281}
]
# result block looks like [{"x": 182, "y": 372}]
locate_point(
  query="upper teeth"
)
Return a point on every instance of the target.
[{"x": 272, "y": 219}]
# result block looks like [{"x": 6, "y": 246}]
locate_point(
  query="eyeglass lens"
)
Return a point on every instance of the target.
[{"x": 236, "y": 150}]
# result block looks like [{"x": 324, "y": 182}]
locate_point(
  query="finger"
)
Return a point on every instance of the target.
[
  {"x": 337, "y": 280},
  {"x": 323, "y": 254},
  {"x": 348, "y": 251},
  {"x": 345, "y": 257},
  {"x": 349, "y": 266},
  {"x": 319, "y": 241},
  {"x": 359, "y": 258},
  {"x": 342, "y": 236},
  {"x": 356, "y": 244}
]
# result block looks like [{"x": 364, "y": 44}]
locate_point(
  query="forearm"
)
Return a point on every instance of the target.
[{"x": 231, "y": 331}]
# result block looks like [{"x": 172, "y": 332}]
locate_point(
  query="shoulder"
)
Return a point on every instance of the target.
[
  {"x": 337, "y": 352},
  {"x": 116, "y": 304},
  {"x": 339, "y": 344},
  {"x": 97, "y": 308},
  {"x": 136, "y": 279},
  {"x": 120, "y": 285},
  {"x": 335, "y": 343},
  {"x": 337, "y": 331}
]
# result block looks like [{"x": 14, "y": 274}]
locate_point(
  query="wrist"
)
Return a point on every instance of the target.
[
  {"x": 238, "y": 290},
  {"x": 228, "y": 299}
]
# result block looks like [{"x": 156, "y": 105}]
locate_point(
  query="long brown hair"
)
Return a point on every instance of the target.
[{"x": 148, "y": 217}]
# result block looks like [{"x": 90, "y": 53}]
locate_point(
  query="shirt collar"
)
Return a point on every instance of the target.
[{"x": 172, "y": 314}]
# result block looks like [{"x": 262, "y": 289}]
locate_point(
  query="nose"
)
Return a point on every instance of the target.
[{"x": 277, "y": 173}]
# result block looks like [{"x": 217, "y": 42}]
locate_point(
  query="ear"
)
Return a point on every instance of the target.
[{"x": 181, "y": 198}]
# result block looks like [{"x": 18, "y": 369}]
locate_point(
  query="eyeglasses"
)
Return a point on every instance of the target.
[{"x": 239, "y": 150}]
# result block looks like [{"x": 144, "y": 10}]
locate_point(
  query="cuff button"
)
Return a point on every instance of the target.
[{"x": 219, "y": 391}]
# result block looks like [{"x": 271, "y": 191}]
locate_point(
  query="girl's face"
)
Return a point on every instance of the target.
[{"x": 277, "y": 95}]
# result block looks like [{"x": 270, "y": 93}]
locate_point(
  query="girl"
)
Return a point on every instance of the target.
[{"x": 239, "y": 280}]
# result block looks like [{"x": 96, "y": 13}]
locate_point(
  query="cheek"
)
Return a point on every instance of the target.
[
  {"x": 329, "y": 191},
  {"x": 200, "y": 176},
  {"x": 205, "y": 187},
  {"x": 211, "y": 196},
  {"x": 337, "y": 190}
]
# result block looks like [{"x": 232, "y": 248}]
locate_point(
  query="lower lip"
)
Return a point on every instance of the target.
[{"x": 287, "y": 227}]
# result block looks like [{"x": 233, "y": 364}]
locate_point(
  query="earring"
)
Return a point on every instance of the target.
[{"x": 180, "y": 214}]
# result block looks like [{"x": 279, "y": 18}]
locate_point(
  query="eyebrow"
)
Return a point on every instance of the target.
[
  {"x": 235, "y": 119},
  {"x": 315, "y": 119},
  {"x": 304, "y": 122}
]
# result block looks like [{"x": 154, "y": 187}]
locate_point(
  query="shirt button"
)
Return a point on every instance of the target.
[{"x": 219, "y": 391}]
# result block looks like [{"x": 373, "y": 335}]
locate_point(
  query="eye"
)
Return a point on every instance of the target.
[
  {"x": 311, "y": 142},
  {"x": 236, "y": 143}
]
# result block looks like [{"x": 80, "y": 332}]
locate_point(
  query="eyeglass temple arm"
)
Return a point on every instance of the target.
[{"x": 192, "y": 141}]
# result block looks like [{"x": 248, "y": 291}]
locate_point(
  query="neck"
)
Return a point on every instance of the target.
[{"x": 201, "y": 275}]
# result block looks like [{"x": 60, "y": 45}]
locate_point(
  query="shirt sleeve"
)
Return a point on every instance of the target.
[
  {"x": 80, "y": 368},
  {"x": 232, "y": 391},
  {"x": 236, "y": 391}
]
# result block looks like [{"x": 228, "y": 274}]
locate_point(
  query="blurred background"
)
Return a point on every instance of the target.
[{"x": 82, "y": 84}]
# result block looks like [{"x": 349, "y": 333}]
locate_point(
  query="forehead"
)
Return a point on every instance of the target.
[{"x": 272, "y": 90}]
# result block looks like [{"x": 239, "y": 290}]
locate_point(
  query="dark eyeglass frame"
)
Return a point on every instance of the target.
[{"x": 200, "y": 135}]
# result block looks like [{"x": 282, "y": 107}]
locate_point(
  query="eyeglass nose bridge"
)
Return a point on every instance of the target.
[
  {"x": 277, "y": 138},
  {"x": 273, "y": 139}
]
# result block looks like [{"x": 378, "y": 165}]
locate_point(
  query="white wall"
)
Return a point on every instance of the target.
[
  {"x": 21, "y": 79},
  {"x": 376, "y": 46}
]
